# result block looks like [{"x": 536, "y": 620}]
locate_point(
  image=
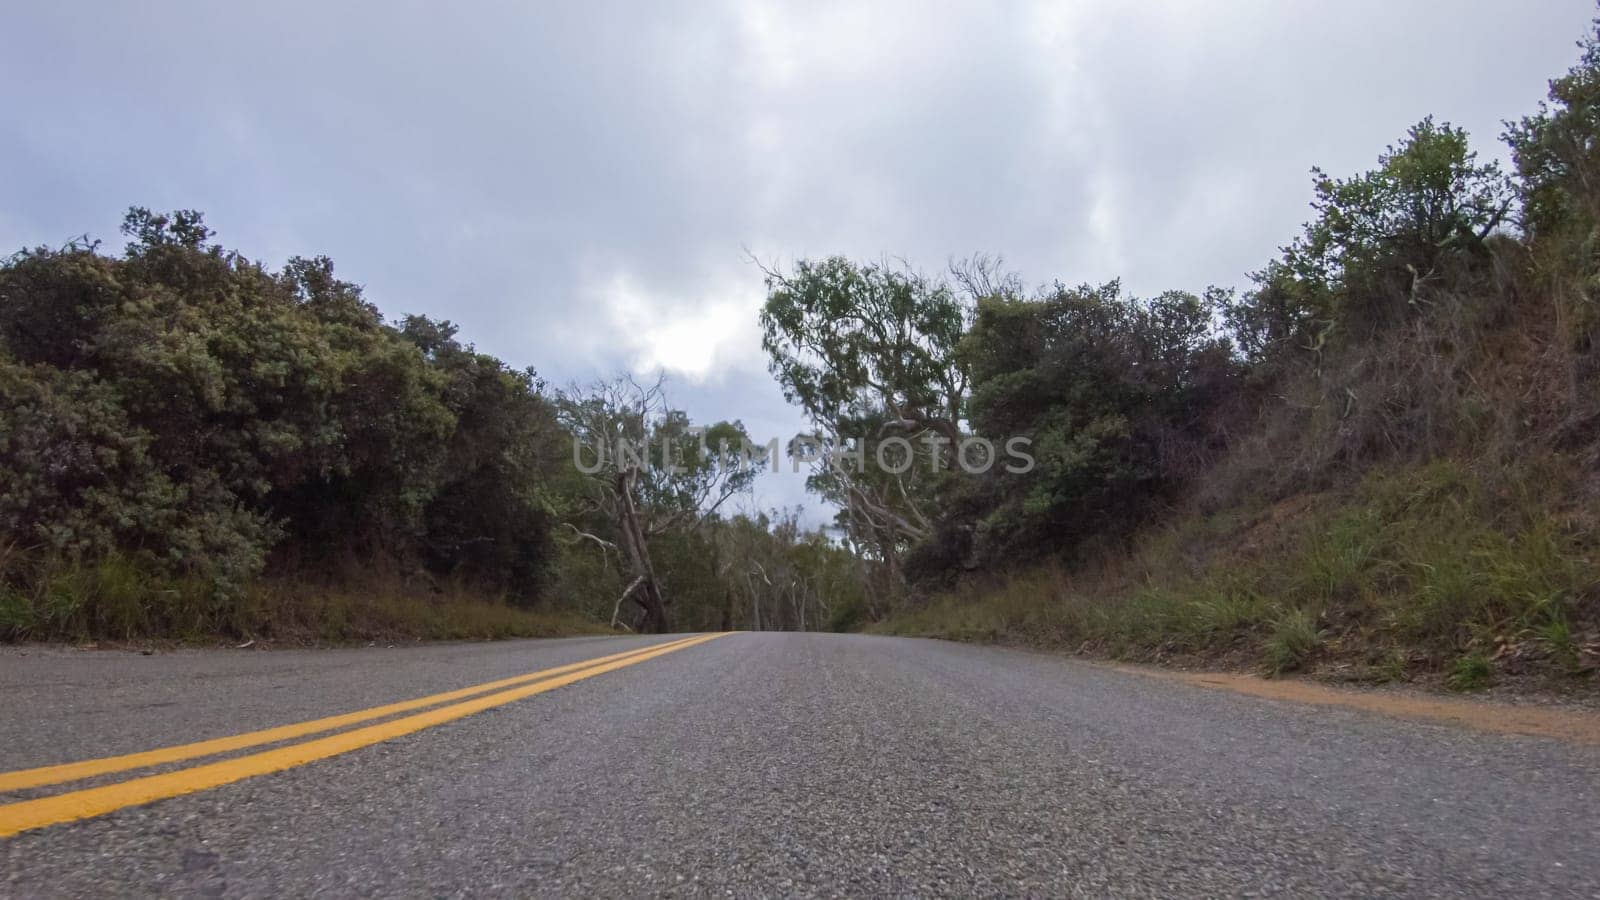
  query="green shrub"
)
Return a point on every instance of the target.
[
  {"x": 1560, "y": 643},
  {"x": 848, "y": 616},
  {"x": 179, "y": 414},
  {"x": 1292, "y": 640},
  {"x": 1470, "y": 672}
]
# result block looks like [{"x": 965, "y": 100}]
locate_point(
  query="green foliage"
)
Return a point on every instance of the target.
[
  {"x": 182, "y": 411},
  {"x": 1415, "y": 565},
  {"x": 848, "y": 616},
  {"x": 1427, "y": 196},
  {"x": 679, "y": 470},
  {"x": 777, "y": 575},
  {"x": 1557, "y": 155},
  {"x": 1291, "y": 641},
  {"x": 1555, "y": 150},
  {"x": 190, "y": 443},
  {"x": 1470, "y": 672},
  {"x": 1219, "y": 611},
  {"x": 845, "y": 339},
  {"x": 1561, "y": 643},
  {"x": 1381, "y": 245},
  {"x": 77, "y": 478},
  {"x": 1110, "y": 392},
  {"x": 642, "y": 474},
  {"x": 116, "y": 596},
  {"x": 869, "y": 352}
]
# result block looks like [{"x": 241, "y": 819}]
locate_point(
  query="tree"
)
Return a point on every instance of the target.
[
  {"x": 868, "y": 352},
  {"x": 779, "y": 576},
  {"x": 1112, "y": 391},
  {"x": 490, "y": 517},
  {"x": 1557, "y": 150},
  {"x": 1381, "y": 242},
  {"x": 844, "y": 340},
  {"x": 648, "y": 471}
]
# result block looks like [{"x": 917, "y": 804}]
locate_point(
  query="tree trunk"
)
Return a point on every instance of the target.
[
  {"x": 729, "y": 596},
  {"x": 648, "y": 594}
]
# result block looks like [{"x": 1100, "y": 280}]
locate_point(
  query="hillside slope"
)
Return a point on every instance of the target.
[{"x": 1400, "y": 480}]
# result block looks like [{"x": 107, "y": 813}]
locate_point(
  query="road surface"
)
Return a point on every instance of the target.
[{"x": 751, "y": 764}]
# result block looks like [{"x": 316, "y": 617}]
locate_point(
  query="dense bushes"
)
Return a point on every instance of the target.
[
  {"x": 183, "y": 410},
  {"x": 1113, "y": 395}
]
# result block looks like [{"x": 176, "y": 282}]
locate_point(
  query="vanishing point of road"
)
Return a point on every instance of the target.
[{"x": 749, "y": 765}]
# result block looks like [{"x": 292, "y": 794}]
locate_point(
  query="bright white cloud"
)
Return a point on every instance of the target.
[{"x": 698, "y": 339}]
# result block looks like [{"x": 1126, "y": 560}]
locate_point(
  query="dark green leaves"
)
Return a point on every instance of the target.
[{"x": 184, "y": 406}]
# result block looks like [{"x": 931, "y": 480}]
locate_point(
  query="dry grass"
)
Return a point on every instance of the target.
[{"x": 1409, "y": 570}]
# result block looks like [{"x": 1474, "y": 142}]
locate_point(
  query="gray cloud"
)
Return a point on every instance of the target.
[{"x": 576, "y": 185}]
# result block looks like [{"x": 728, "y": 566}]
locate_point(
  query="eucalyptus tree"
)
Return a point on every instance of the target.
[
  {"x": 645, "y": 469},
  {"x": 868, "y": 352},
  {"x": 782, "y": 576}
]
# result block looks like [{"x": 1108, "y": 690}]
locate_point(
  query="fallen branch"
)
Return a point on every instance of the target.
[{"x": 616, "y": 611}]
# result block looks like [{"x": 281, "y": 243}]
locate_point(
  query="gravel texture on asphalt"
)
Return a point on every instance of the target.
[{"x": 792, "y": 764}]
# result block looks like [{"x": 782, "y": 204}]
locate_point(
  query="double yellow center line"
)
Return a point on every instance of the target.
[{"x": 82, "y": 804}]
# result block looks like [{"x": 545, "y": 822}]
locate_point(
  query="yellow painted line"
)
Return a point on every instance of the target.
[
  {"x": 89, "y": 768},
  {"x": 29, "y": 814}
]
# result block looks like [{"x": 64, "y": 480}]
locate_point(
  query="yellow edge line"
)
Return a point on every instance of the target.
[
  {"x": 56, "y": 774},
  {"x": 30, "y": 814}
]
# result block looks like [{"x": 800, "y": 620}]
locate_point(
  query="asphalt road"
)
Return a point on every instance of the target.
[{"x": 774, "y": 764}]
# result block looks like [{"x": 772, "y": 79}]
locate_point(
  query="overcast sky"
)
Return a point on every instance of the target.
[{"x": 576, "y": 185}]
